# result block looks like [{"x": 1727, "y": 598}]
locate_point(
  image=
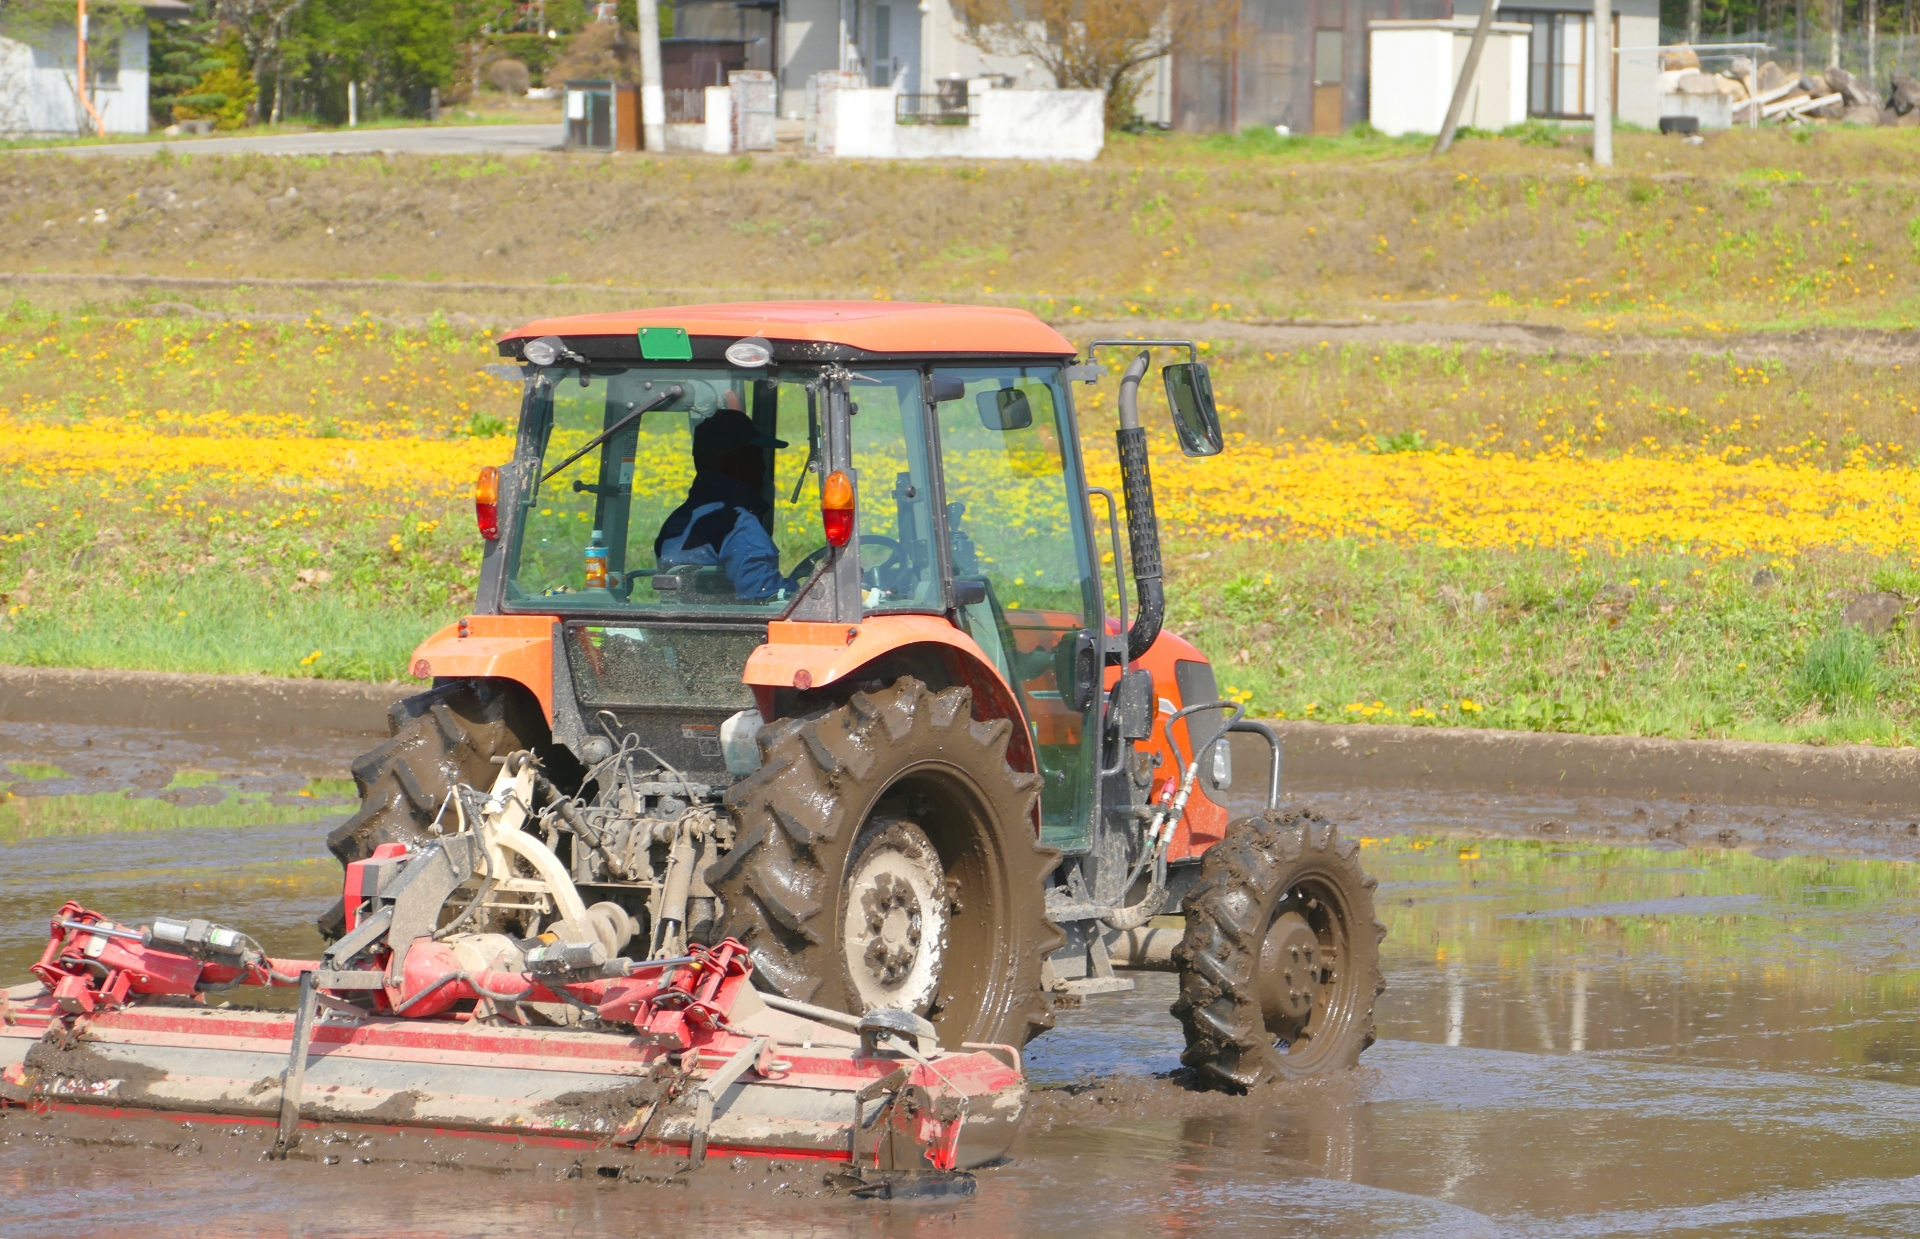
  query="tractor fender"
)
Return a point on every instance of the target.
[
  {"x": 807, "y": 658},
  {"x": 798, "y": 656},
  {"x": 1205, "y": 822},
  {"x": 499, "y": 647}
]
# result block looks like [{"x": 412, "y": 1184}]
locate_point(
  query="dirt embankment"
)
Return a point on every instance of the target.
[
  {"x": 1180, "y": 231},
  {"x": 1327, "y": 757},
  {"x": 1318, "y": 758},
  {"x": 201, "y": 703}
]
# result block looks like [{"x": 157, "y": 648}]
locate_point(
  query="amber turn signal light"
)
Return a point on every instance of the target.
[
  {"x": 836, "y": 507},
  {"x": 486, "y": 502}
]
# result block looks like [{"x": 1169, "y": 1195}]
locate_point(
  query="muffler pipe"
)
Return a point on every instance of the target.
[
  {"x": 1144, "y": 949},
  {"x": 1143, "y": 525}
]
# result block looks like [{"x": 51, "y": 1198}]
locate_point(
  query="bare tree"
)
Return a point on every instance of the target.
[{"x": 1104, "y": 45}]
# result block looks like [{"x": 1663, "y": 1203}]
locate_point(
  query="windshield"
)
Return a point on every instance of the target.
[{"x": 710, "y": 502}]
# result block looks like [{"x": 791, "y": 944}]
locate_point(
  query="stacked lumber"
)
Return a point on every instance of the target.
[{"x": 1775, "y": 94}]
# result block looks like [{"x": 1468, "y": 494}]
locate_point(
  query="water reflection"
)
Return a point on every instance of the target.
[{"x": 1708, "y": 955}]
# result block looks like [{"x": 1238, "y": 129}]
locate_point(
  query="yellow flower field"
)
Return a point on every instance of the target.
[
  {"x": 1317, "y": 490},
  {"x": 1312, "y": 489},
  {"x": 126, "y": 453}
]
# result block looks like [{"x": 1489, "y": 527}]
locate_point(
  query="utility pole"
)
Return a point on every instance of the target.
[
  {"x": 80, "y": 67},
  {"x": 653, "y": 95},
  {"x": 1693, "y": 20},
  {"x": 1872, "y": 26},
  {"x": 1603, "y": 83},
  {"x": 1468, "y": 72}
]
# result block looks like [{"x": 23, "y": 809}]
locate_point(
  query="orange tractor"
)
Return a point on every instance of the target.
[{"x": 801, "y": 609}]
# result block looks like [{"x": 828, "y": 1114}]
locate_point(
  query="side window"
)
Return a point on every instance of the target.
[{"x": 898, "y": 568}]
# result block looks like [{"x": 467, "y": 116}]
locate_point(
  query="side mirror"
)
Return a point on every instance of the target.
[
  {"x": 1006, "y": 409},
  {"x": 1190, "y": 396},
  {"x": 948, "y": 387},
  {"x": 1076, "y": 669}
]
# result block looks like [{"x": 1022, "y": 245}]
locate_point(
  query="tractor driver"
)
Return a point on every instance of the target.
[{"x": 720, "y": 521}]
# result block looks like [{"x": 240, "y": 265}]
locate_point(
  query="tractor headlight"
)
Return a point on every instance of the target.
[
  {"x": 544, "y": 351},
  {"x": 750, "y": 353}
]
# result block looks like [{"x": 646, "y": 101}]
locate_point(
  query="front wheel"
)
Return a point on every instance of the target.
[{"x": 1280, "y": 963}]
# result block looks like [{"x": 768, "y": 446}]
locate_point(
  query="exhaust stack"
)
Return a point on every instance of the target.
[{"x": 1143, "y": 525}]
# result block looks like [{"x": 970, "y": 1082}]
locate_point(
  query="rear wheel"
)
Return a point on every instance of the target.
[
  {"x": 442, "y": 737},
  {"x": 1280, "y": 962},
  {"x": 886, "y": 856}
]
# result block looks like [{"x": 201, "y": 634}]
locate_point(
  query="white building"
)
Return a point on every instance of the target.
[
  {"x": 39, "y": 91},
  {"x": 910, "y": 46}
]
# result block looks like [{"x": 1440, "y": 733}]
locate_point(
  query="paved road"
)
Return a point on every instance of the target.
[{"x": 426, "y": 140}]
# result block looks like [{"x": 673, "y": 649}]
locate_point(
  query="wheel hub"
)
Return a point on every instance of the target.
[
  {"x": 1292, "y": 974},
  {"x": 895, "y": 926}
]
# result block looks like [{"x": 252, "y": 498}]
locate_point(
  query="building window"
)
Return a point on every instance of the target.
[
  {"x": 1559, "y": 70},
  {"x": 883, "y": 45}
]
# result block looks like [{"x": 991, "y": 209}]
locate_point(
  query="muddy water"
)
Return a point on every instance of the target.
[{"x": 1609, "y": 1026}]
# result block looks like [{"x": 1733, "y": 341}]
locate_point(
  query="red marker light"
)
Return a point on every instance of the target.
[
  {"x": 836, "y": 508},
  {"x": 486, "y": 502}
]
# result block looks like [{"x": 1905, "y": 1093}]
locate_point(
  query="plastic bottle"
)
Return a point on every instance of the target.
[{"x": 596, "y": 561}]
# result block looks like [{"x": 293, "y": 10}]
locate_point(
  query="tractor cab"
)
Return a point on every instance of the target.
[{"x": 946, "y": 487}]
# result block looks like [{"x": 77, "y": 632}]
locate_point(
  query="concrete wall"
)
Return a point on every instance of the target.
[
  {"x": 1640, "y": 71},
  {"x": 1415, "y": 66},
  {"x": 37, "y": 86},
  {"x": 809, "y": 44},
  {"x": 1007, "y": 124}
]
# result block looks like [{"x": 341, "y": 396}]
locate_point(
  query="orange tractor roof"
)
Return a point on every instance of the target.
[{"x": 871, "y": 326}]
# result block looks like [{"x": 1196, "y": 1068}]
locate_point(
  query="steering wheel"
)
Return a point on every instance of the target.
[{"x": 804, "y": 569}]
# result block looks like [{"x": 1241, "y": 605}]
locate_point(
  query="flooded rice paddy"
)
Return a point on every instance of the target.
[{"x": 1598, "y": 1029}]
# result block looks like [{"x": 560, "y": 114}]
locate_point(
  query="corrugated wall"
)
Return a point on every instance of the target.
[{"x": 1269, "y": 76}]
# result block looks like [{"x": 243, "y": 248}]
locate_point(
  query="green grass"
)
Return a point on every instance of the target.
[
  {"x": 1662, "y": 645},
  {"x": 207, "y": 624},
  {"x": 36, "y": 817},
  {"x": 1657, "y": 644}
]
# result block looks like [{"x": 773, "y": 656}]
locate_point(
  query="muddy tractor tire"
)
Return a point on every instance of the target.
[
  {"x": 1280, "y": 962},
  {"x": 885, "y": 855},
  {"x": 445, "y": 736}
]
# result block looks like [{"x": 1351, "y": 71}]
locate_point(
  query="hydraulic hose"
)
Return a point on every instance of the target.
[
  {"x": 1173, "y": 806},
  {"x": 471, "y": 983},
  {"x": 1143, "y": 525}
]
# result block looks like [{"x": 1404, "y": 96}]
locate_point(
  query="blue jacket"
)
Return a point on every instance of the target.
[{"x": 719, "y": 524}]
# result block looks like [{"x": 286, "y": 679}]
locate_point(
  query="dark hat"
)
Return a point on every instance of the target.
[{"x": 726, "y": 430}]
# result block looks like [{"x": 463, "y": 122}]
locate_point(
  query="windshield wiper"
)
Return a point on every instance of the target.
[
  {"x": 667, "y": 396},
  {"x": 813, "y": 447}
]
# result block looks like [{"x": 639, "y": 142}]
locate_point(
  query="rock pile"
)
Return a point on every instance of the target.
[{"x": 1768, "y": 92}]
